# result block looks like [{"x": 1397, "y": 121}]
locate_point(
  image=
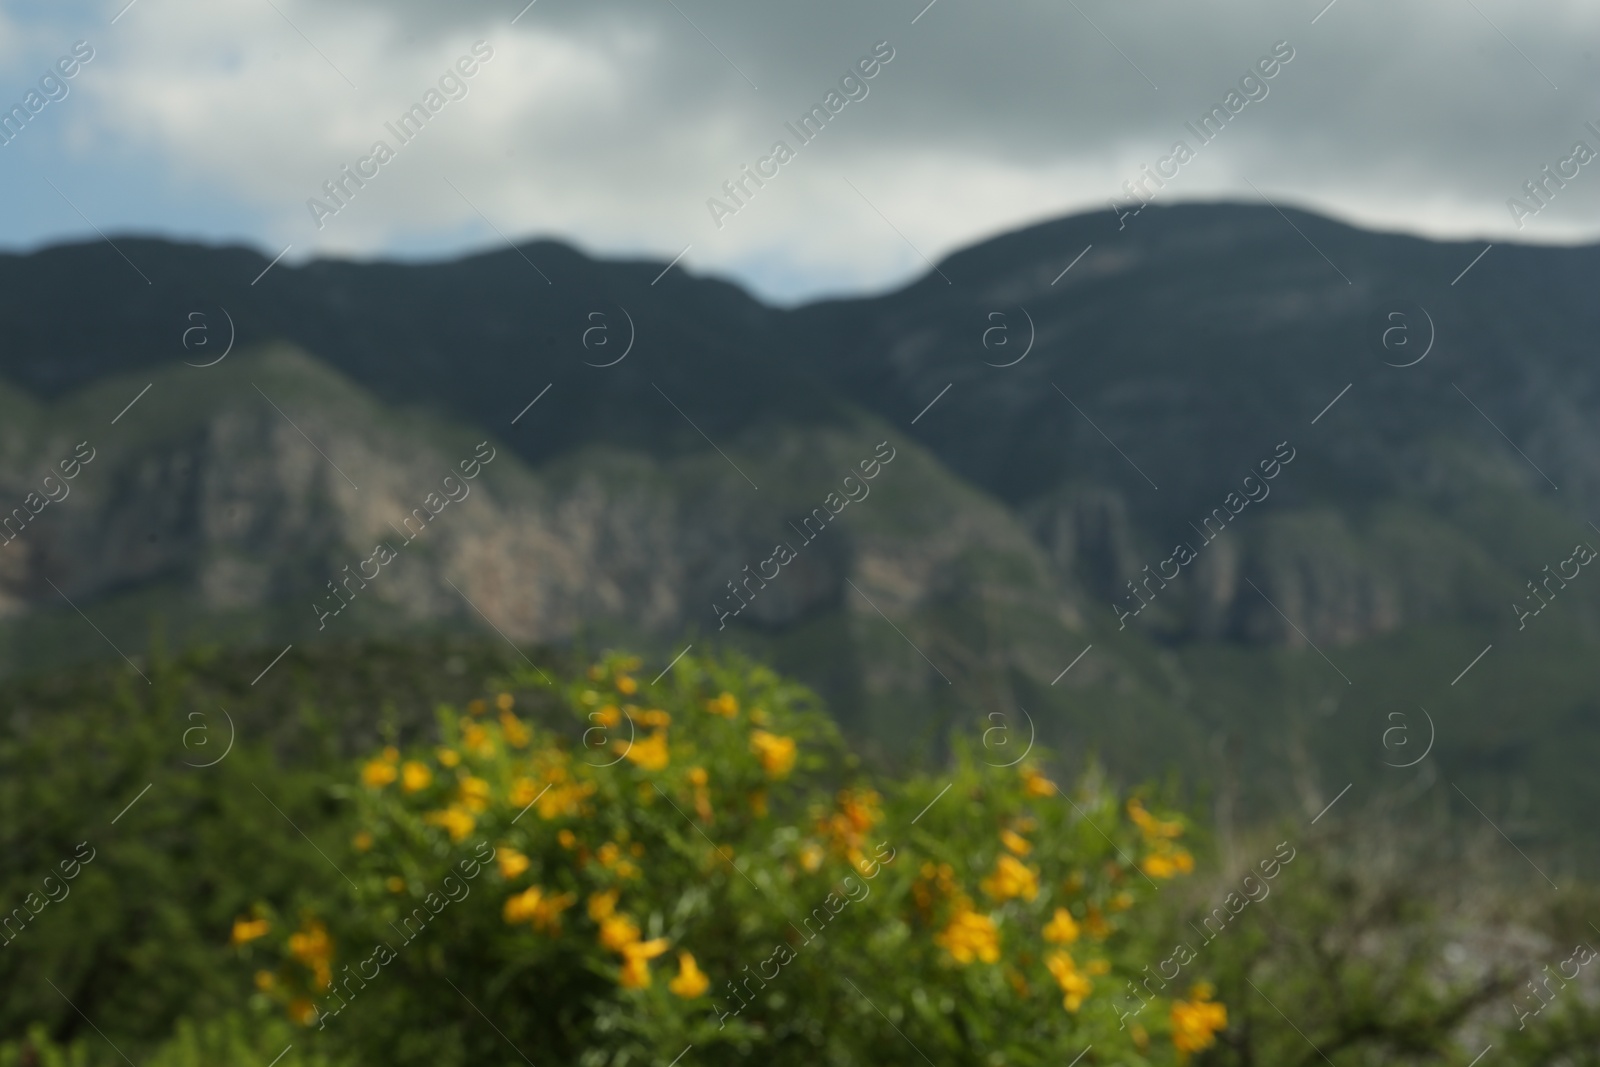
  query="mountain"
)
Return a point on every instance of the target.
[{"x": 1186, "y": 449}]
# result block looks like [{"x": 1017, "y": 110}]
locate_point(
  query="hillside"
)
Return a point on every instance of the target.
[{"x": 1196, "y": 348}]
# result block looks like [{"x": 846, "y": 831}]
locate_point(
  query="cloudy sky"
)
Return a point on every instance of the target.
[{"x": 610, "y": 123}]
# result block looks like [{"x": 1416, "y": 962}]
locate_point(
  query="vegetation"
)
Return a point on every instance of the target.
[{"x": 573, "y": 865}]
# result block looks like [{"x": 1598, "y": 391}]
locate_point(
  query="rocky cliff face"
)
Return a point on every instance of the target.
[
  {"x": 322, "y": 501},
  {"x": 1173, "y": 355}
]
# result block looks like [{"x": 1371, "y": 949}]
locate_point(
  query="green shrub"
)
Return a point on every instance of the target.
[{"x": 695, "y": 863}]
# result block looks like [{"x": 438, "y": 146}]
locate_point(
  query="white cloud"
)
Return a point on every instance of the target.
[{"x": 612, "y": 128}]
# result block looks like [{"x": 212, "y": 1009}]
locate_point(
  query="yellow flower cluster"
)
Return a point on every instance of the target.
[
  {"x": 650, "y": 754},
  {"x": 511, "y": 862},
  {"x": 247, "y": 930},
  {"x": 1035, "y": 784},
  {"x": 1075, "y": 986},
  {"x": 312, "y": 946},
  {"x": 457, "y": 822},
  {"x": 1011, "y": 879},
  {"x": 415, "y": 776},
  {"x": 513, "y": 729},
  {"x": 691, "y": 982},
  {"x": 620, "y": 934},
  {"x": 776, "y": 753},
  {"x": 969, "y": 935},
  {"x": 700, "y": 780},
  {"x": 726, "y": 705},
  {"x": 1061, "y": 929},
  {"x": 1195, "y": 1022},
  {"x": 381, "y": 771},
  {"x": 845, "y": 829},
  {"x": 534, "y": 905},
  {"x": 611, "y": 858},
  {"x": 1163, "y": 859}
]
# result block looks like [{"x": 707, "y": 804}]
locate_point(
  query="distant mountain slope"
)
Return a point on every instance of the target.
[{"x": 1035, "y": 506}]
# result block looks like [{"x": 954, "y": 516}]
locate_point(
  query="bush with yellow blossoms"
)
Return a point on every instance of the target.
[{"x": 609, "y": 870}]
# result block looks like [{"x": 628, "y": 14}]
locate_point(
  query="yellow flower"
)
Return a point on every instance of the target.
[
  {"x": 970, "y": 936},
  {"x": 607, "y": 716},
  {"x": 512, "y": 862},
  {"x": 635, "y": 968},
  {"x": 475, "y": 737},
  {"x": 1074, "y": 986},
  {"x": 1061, "y": 930},
  {"x": 1011, "y": 878},
  {"x": 1035, "y": 784},
  {"x": 415, "y": 776},
  {"x": 474, "y": 793},
  {"x": 247, "y": 930},
  {"x": 521, "y": 907},
  {"x": 313, "y": 948},
  {"x": 395, "y": 884},
  {"x": 1167, "y": 862},
  {"x": 1152, "y": 827},
  {"x": 515, "y": 732},
  {"x": 651, "y": 753},
  {"x": 811, "y": 855},
  {"x": 726, "y": 705},
  {"x": 302, "y": 1011},
  {"x": 1122, "y": 901},
  {"x": 311, "y": 943},
  {"x": 547, "y": 913},
  {"x": 503, "y": 702},
  {"x": 626, "y": 686},
  {"x": 1195, "y": 1023},
  {"x": 377, "y": 774},
  {"x": 533, "y": 905},
  {"x": 524, "y": 791},
  {"x": 567, "y": 838},
  {"x": 775, "y": 752},
  {"x": 1015, "y": 842},
  {"x": 603, "y": 905},
  {"x": 691, "y": 982},
  {"x": 448, "y": 757},
  {"x": 265, "y": 981},
  {"x": 565, "y": 799},
  {"x": 1097, "y": 966},
  {"x": 617, "y": 932},
  {"x": 655, "y": 718},
  {"x": 458, "y": 822},
  {"x": 362, "y": 841}
]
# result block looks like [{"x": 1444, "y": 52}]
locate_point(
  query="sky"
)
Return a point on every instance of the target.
[{"x": 612, "y": 124}]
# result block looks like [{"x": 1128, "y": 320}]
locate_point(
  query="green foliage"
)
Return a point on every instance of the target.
[
  {"x": 234, "y": 1040},
  {"x": 368, "y": 888},
  {"x": 694, "y": 863}
]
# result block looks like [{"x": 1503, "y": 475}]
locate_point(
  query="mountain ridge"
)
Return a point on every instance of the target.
[{"x": 1033, "y": 507}]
